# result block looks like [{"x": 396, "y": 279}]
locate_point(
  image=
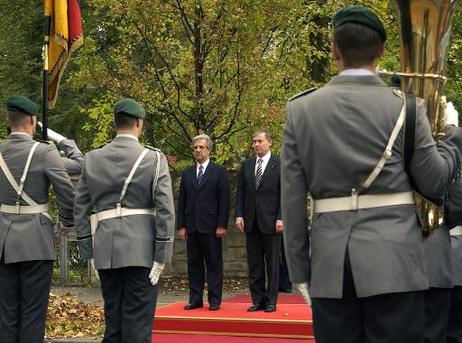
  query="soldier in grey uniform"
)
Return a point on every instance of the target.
[
  {"x": 453, "y": 220},
  {"x": 454, "y": 330},
  {"x": 437, "y": 251},
  {"x": 364, "y": 265},
  {"x": 129, "y": 188},
  {"x": 73, "y": 157},
  {"x": 26, "y": 236}
]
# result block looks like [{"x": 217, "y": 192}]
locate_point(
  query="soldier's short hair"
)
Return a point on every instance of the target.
[
  {"x": 358, "y": 45},
  {"x": 267, "y": 133},
  {"x": 207, "y": 139},
  {"x": 122, "y": 121},
  {"x": 16, "y": 118}
]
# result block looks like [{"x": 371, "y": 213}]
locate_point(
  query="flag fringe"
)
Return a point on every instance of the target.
[{"x": 57, "y": 72}]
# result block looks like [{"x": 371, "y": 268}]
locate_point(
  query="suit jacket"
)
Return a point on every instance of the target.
[
  {"x": 28, "y": 237},
  {"x": 133, "y": 240},
  {"x": 333, "y": 138},
  {"x": 262, "y": 204},
  {"x": 202, "y": 208}
]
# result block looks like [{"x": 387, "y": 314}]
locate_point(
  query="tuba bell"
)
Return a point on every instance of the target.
[{"x": 425, "y": 28}]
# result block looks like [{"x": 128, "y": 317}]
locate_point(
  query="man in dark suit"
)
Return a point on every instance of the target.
[
  {"x": 258, "y": 213},
  {"x": 203, "y": 211}
]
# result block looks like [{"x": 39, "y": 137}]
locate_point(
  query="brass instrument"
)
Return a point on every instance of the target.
[{"x": 425, "y": 28}]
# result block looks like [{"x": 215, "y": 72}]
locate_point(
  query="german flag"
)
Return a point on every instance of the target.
[{"x": 66, "y": 36}]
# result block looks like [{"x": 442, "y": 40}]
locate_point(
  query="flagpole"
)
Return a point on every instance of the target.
[{"x": 46, "y": 44}]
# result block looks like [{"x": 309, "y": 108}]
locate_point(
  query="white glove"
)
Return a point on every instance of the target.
[
  {"x": 156, "y": 270},
  {"x": 303, "y": 288},
  {"x": 54, "y": 136},
  {"x": 450, "y": 114},
  {"x": 92, "y": 263}
]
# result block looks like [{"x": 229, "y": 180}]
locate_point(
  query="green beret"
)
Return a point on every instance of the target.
[
  {"x": 359, "y": 15},
  {"x": 130, "y": 108},
  {"x": 22, "y": 104}
]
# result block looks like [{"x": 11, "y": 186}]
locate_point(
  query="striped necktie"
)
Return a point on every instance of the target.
[
  {"x": 259, "y": 173},
  {"x": 200, "y": 174}
]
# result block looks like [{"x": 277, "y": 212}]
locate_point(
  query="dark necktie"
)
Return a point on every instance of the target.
[
  {"x": 200, "y": 174},
  {"x": 259, "y": 173}
]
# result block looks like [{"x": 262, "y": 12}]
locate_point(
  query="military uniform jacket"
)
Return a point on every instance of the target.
[
  {"x": 73, "y": 159},
  {"x": 135, "y": 240},
  {"x": 454, "y": 218},
  {"x": 456, "y": 244},
  {"x": 437, "y": 249},
  {"x": 333, "y": 138},
  {"x": 28, "y": 237}
]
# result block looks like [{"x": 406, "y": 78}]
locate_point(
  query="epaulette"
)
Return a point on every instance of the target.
[
  {"x": 43, "y": 141},
  {"x": 399, "y": 93},
  {"x": 308, "y": 91},
  {"x": 102, "y": 145},
  {"x": 152, "y": 148}
]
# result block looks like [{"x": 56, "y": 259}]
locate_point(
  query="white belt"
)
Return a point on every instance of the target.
[
  {"x": 116, "y": 213},
  {"x": 457, "y": 231},
  {"x": 25, "y": 209},
  {"x": 358, "y": 202}
]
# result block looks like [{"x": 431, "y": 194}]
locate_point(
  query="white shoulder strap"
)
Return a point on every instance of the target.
[
  {"x": 19, "y": 189},
  {"x": 156, "y": 177},
  {"x": 388, "y": 150},
  {"x": 26, "y": 170},
  {"x": 130, "y": 176}
]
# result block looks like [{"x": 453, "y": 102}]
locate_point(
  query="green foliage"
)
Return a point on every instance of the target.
[
  {"x": 221, "y": 67},
  {"x": 20, "y": 50}
]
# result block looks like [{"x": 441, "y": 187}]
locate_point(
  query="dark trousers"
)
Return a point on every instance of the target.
[
  {"x": 205, "y": 248},
  {"x": 454, "y": 334},
  {"x": 24, "y": 291},
  {"x": 386, "y": 318},
  {"x": 129, "y": 304},
  {"x": 263, "y": 250},
  {"x": 284, "y": 282},
  {"x": 437, "y": 303}
]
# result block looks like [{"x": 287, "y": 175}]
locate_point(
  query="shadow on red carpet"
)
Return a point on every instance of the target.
[
  {"x": 177, "y": 338},
  {"x": 282, "y": 299}
]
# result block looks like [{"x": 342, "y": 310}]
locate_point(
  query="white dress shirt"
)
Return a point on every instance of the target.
[
  {"x": 20, "y": 133},
  {"x": 128, "y": 136},
  {"x": 204, "y": 165},
  {"x": 264, "y": 163},
  {"x": 357, "y": 72}
]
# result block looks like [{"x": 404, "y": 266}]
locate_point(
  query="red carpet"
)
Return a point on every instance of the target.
[
  {"x": 282, "y": 299},
  {"x": 176, "y": 338},
  {"x": 291, "y": 320}
]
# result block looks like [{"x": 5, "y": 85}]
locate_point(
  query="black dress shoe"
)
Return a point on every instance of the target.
[
  {"x": 192, "y": 306},
  {"x": 285, "y": 290},
  {"x": 214, "y": 307},
  {"x": 255, "y": 308},
  {"x": 270, "y": 308}
]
